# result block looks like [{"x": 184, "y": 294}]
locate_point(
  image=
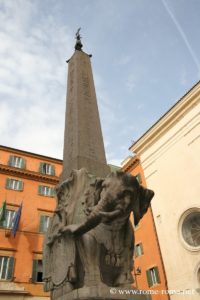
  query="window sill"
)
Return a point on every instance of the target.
[
  {"x": 14, "y": 190},
  {"x": 154, "y": 286},
  {"x": 21, "y": 168},
  {"x": 7, "y": 280},
  {"x": 46, "y": 196}
]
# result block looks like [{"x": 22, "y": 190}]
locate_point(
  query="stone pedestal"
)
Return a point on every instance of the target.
[
  {"x": 95, "y": 251},
  {"x": 101, "y": 292}
]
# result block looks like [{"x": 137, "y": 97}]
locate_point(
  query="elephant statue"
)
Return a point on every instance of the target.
[{"x": 91, "y": 238}]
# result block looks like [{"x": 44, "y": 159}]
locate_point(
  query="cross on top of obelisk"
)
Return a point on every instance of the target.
[{"x": 78, "y": 44}]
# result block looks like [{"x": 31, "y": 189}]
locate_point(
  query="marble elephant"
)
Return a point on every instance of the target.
[{"x": 92, "y": 225}]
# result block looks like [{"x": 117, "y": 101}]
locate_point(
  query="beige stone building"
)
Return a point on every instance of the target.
[{"x": 170, "y": 157}]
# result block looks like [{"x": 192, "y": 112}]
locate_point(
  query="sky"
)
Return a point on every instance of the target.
[{"x": 146, "y": 56}]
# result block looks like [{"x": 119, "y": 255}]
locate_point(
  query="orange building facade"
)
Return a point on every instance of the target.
[
  {"x": 27, "y": 179},
  {"x": 149, "y": 273}
]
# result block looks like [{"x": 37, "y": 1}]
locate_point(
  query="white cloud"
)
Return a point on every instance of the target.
[
  {"x": 115, "y": 162},
  {"x": 33, "y": 82},
  {"x": 6, "y": 115},
  {"x": 131, "y": 82},
  {"x": 124, "y": 60},
  {"x": 33, "y": 77},
  {"x": 137, "y": 73},
  {"x": 140, "y": 106}
]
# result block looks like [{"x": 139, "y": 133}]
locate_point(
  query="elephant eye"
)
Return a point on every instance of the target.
[
  {"x": 122, "y": 194},
  {"x": 127, "y": 193}
]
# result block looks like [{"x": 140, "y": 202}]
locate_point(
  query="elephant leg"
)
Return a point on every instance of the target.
[
  {"x": 125, "y": 277},
  {"x": 89, "y": 252}
]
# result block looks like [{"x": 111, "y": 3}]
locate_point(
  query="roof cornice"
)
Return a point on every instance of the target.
[
  {"x": 133, "y": 162},
  {"x": 185, "y": 104},
  {"x": 22, "y": 173},
  {"x": 31, "y": 154}
]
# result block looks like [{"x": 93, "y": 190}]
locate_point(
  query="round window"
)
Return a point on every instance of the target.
[
  {"x": 191, "y": 229},
  {"x": 198, "y": 276}
]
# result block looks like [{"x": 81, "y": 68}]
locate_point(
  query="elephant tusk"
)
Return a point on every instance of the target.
[{"x": 112, "y": 214}]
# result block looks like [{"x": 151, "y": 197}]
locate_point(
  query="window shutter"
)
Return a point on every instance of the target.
[
  {"x": 52, "y": 192},
  {"x": 10, "y": 161},
  {"x": 139, "y": 178},
  {"x": 23, "y": 164},
  {"x": 53, "y": 170},
  {"x": 40, "y": 190},
  {"x": 49, "y": 222},
  {"x": 42, "y": 221},
  {"x": 10, "y": 268},
  {"x": 142, "y": 251},
  {"x": 34, "y": 270},
  {"x": 8, "y": 183},
  {"x": 41, "y": 168},
  {"x": 157, "y": 275},
  {"x": 149, "y": 279},
  {"x": 136, "y": 250},
  {"x": 2, "y": 223},
  {"x": 21, "y": 185}
]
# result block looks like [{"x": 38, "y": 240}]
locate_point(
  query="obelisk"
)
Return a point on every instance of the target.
[
  {"x": 88, "y": 247},
  {"x": 83, "y": 141}
]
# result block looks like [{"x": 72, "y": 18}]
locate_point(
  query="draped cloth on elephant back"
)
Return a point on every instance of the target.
[
  {"x": 60, "y": 256},
  {"x": 62, "y": 250},
  {"x": 63, "y": 256}
]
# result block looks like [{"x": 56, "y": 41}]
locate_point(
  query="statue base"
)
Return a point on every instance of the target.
[
  {"x": 100, "y": 292},
  {"x": 90, "y": 239}
]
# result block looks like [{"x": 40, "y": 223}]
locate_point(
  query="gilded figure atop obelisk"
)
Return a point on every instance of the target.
[{"x": 78, "y": 45}]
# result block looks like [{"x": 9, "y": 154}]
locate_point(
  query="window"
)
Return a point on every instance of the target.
[
  {"x": 46, "y": 191},
  {"x": 14, "y": 184},
  {"x": 191, "y": 229},
  {"x": 16, "y": 161},
  {"x": 138, "y": 249},
  {"x": 153, "y": 276},
  {"x": 139, "y": 178},
  {"x": 47, "y": 169},
  {"x": 6, "y": 267},
  {"x": 198, "y": 276},
  {"x": 44, "y": 223},
  {"x": 37, "y": 273},
  {"x": 9, "y": 215}
]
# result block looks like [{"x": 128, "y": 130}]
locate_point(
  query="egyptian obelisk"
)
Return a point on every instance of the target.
[
  {"x": 88, "y": 247},
  {"x": 83, "y": 141}
]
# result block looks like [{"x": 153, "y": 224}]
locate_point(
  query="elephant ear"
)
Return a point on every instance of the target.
[
  {"x": 142, "y": 203},
  {"x": 98, "y": 189}
]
